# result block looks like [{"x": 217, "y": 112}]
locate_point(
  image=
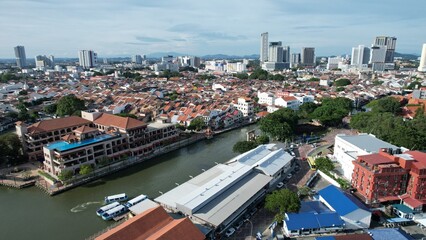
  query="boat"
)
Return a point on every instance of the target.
[
  {"x": 116, "y": 198},
  {"x": 105, "y": 208},
  {"x": 112, "y": 213},
  {"x": 135, "y": 200}
]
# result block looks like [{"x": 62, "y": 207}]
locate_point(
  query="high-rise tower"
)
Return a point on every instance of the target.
[
  {"x": 308, "y": 56},
  {"x": 264, "y": 47},
  {"x": 87, "y": 58},
  {"x": 422, "y": 66},
  {"x": 390, "y": 43},
  {"x": 21, "y": 59},
  {"x": 275, "y": 52}
]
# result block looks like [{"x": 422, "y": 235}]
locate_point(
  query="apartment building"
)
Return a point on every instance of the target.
[
  {"x": 246, "y": 106},
  {"x": 98, "y": 136},
  {"x": 33, "y": 137},
  {"x": 390, "y": 175}
]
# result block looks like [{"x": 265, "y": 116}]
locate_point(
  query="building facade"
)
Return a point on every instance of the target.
[
  {"x": 21, "y": 58},
  {"x": 391, "y": 176},
  {"x": 308, "y": 56},
  {"x": 246, "y": 106},
  {"x": 87, "y": 58},
  {"x": 348, "y": 147},
  {"x": 112, "y": 138},
  {"x": 390, "y": 44},
  {"x": 264, "y": 47},
  {"x": 422, "y": 65},
  {"x": 360, "y": 55}
]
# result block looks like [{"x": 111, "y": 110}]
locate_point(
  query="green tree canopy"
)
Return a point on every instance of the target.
[
  {"x": 324, "y": 164},
  {"x": 65, "y": 175},
  {"x": 244, "y": 146},
  {"x": 279, "y": 124},
  {"x": 332, "y": 111},
  {"x": 306, "y": 109},
  {"x": 282, "y": 201},
  {"x": 342, "y": 82},
  {"x": 197, "y": 124},
  {"x": 387, "y": 104},
  {"x": 11, "y": 149},
  {"x": 50, "y": 109},
  {"x": 85, "y": 169},
  {"x": 262, "y": 139},
  {"x": 68, "y": 105}
]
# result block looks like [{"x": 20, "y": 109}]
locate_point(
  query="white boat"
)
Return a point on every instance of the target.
[
  {"x": 116, "y": 198},
  {"x": 112, "y": 213},
  {"x": 103, "y": 209},
  {"x": 135, "y": 200}
]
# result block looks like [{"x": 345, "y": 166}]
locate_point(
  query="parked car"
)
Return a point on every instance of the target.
[
  {"x": 280, "y": 185},
  {"x": 230, "y": 231},
  {"x": 289, "y": 176}
]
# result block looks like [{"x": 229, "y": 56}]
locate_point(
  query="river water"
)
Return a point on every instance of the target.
[{"x": 32, "y": 214}]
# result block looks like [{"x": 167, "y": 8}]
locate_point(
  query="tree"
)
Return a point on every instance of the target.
[
  {"x": 279, "y": 124},
  {"x": 23, "y": 92},
  {"x": 86, "y": 169},
  {"x": 244, "y": 146},
  {"x": 11, "y": 149},
  {"x": 342, "y": 82},
  {"x": 65, "y": 175},
  {"x": 282, "y": 201},
  {"x": 197, "y": 124},
  {"x": 68, "y": 105},
  {"x": 324, "y": 164},
  {"x": 332, "y": 111},
  {"x": 50, "y": 109},
  {"x": 306, "y": 109},
  {"x": 262, "y": 139},
  {"x": 387, "y": 104}
]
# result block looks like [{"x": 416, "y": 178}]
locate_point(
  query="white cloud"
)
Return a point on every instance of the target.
[{"x": 204, "y": 27}]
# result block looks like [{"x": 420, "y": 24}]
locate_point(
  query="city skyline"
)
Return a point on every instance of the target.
[{"x": 199, "y": 28}]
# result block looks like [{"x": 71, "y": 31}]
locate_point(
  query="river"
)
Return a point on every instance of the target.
[{"x": 32, "y": 214}]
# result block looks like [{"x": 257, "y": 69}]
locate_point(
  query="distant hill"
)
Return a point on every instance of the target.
[{"x": 407, "y": 56}]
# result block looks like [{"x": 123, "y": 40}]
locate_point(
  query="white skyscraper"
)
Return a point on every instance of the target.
[
  {"x": 422, "y": 66},
  {"x": 360, "y": 55},
  {"x": 21, "y": 58},
  {"x": 275, "y": 52},
  {"x": 87, "y": 58},
  {"x": 264, "y": 47}
]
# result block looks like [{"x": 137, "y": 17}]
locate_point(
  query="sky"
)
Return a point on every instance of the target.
[{"x": 198, "y": 27}]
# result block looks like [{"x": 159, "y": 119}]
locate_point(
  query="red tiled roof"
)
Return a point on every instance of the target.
[
  {"x": 57, "y": 123},
  {"x": 376, "y": 158},
  {"x": 85, "y": 129},
  {"x": 154, "y": 224},
  {"x": 120, "y": 122},
  {"x": 414, "y": 203},
  {"x": 419, "y": 156}
]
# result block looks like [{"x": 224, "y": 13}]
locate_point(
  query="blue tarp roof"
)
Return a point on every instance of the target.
[
  {"x": 325, "y": 238},
  {"x": 339, "y": 201},
  {"x": 403, "y": 208},
  {"x": 313, "y": 207},
  {"x": 297, "y": 221},
  {"x": 388, "y": 233}
]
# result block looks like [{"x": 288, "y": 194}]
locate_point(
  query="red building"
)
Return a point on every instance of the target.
[{"x": 387, "y": 176}]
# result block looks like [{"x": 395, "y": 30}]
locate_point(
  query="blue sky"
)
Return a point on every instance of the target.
[{"x": 198, "y": 27}]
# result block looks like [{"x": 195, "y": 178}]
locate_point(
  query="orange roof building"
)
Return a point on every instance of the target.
[{"x": 154, "y": 224}]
